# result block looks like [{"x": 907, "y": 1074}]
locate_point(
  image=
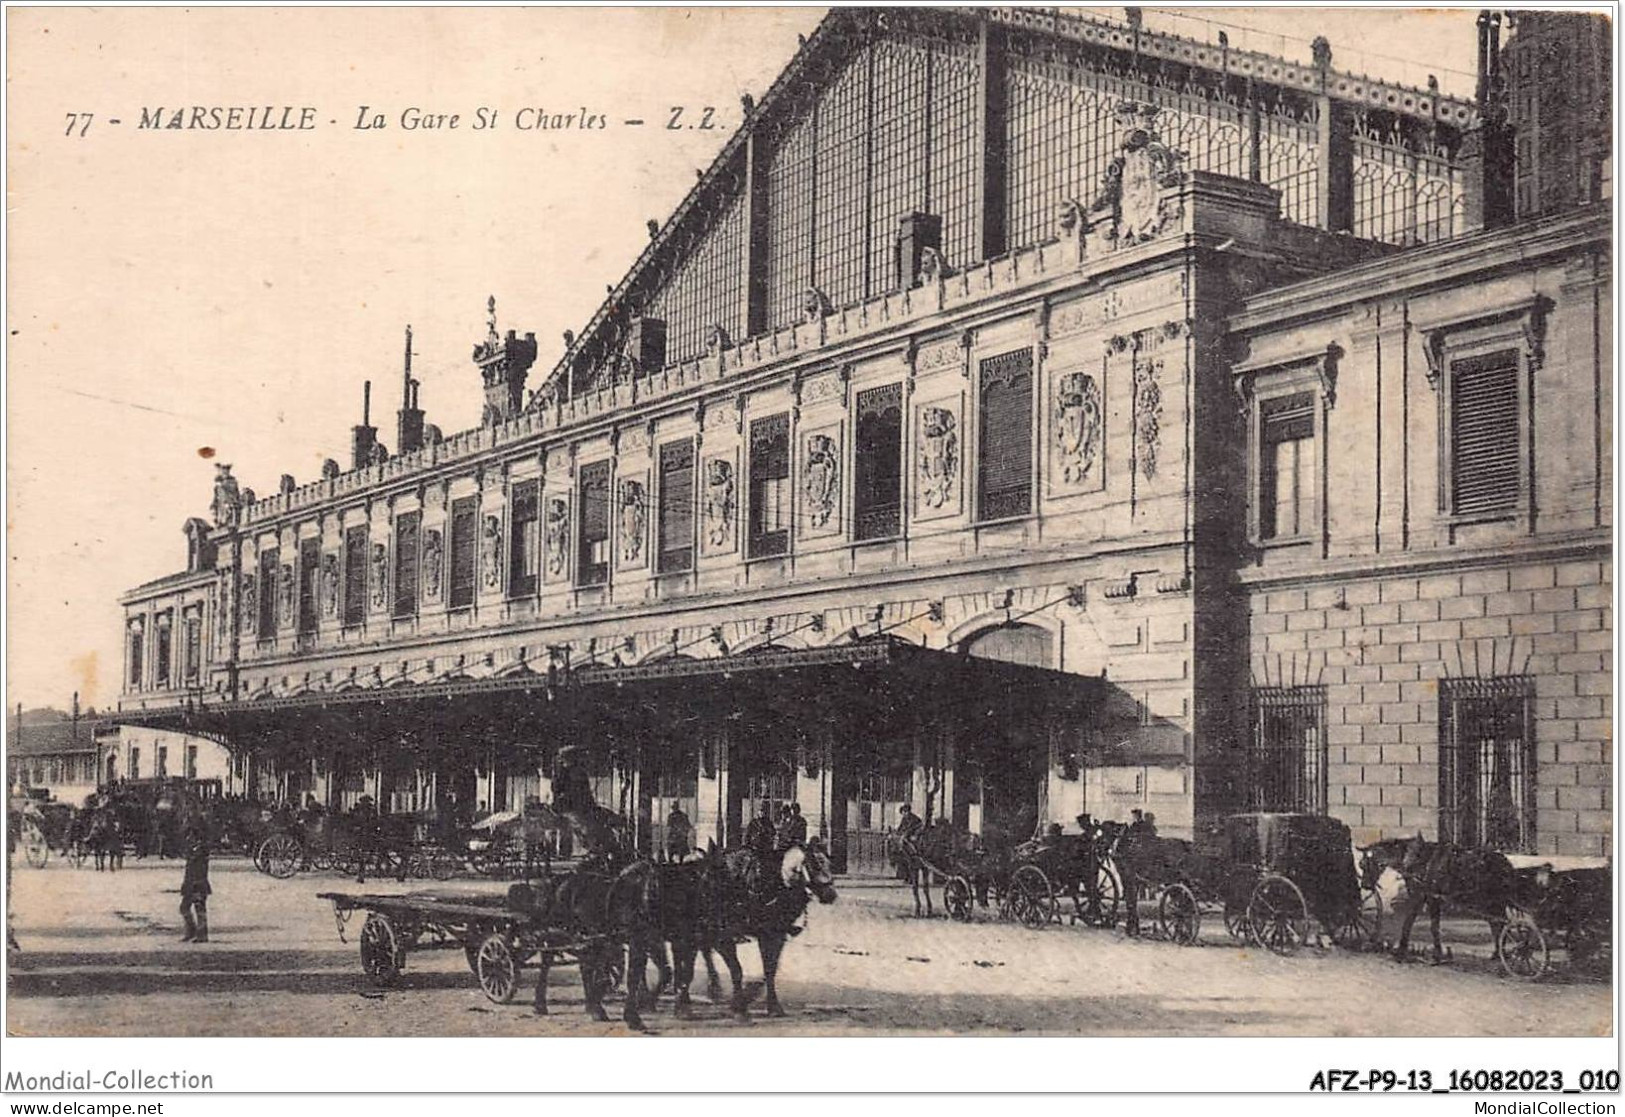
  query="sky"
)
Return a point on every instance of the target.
[{"x": 181, "y": 298}]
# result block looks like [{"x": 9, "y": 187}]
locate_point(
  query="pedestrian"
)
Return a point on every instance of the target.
[
  {"x": 533, "y": 831},
  {"x": 679, "y": 833},
  {"x": 760, "y": 835},
  {"x": 792, "y": 827},
  {"x": 195, "y": 888}
]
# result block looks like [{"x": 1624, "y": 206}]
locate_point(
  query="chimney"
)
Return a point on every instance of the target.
[
  {"x": 646, "y": 344},
  {"x": 409, "y": 419},
  {"x": 1487, "y": 151},
  {"x": 915, "y": 233},
  {"x": 365, "y": 436}
]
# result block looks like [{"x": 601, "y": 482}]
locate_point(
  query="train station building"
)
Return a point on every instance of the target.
[{"x": 1025, "y": 414}]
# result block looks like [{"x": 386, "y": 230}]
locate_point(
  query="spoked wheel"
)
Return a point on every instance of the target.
[
  {"x": 442, "y": 866},
  {"x": 1100, "y": 903},
  {"x": 1362, "y": 926},
  {"x": 323, "y": 862},
  {"x": 279, "y": 855},
  {"x": 1278, "y": 916},
  {"x": 1235, "y": 922},
  {"x": 958, "y": 899},
  {"x": 1032, "y": 900},
  {"x": 497, "y": 968},
  {"x": 1522, "y": 949},
  {"x": 1178, "y": 916},
  {"x": 37, "y": 850},
  {"x": 381, "y": 956}
]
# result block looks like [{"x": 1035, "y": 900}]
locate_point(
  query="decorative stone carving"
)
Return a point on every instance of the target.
[
  {"x": 1132, "y": 193},
  {"x": 933, "y": 267},
  {"x": 1147, "y": 416},
  {"x": 716, "y": 340},
  {"x": 1078, "y": 426},
  {"x": 821, "y": 388},
  {"x": 556, "y": 536},
  {"x": 248, "y": 604},
  {"x": 820, "y": 479},
  {"x": 380, "y": 575},
  {"x": 228, "y": 499},
  {"x": 491, "y": 553},
  {"x": 939, "y": 456},
  {"x": 330, "y": 584},
  {"x": 814, "y": 306},
  {"x": 285, "y": 591},
  {"x": 945, "y": 354},
  {"x": 718, "y": 504},
  {"x": 634, "y": 507},
  {"x": 434, "y": 564}
]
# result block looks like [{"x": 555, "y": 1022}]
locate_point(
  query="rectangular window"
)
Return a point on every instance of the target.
[
  {"x": 676, "y": 507},
  {"x": 1005, "y": 444},
  {"x": 191, "y": 762},
  {"x": 769, "y": 486},
  {"x": 1484, "y": 429},
  {"x": 162, "y": 771},
  {"x": 135, "y": 658},
  {"x": 878, "y": 466},
  {"x": 406, "y": 563},
  {"x": 269, "y": 563},
  {"x": 163, "y": 648},
  {"x": 1487, "y": 763},
  {"x": 592, "y": 565},
  {"x": 134, "y": 769},
  {"x": 310, "y": 569},
  {"x": 1286, "y": 480},
  {"x": 194, "y": 648},
  {"x": 1287, "y": 765},
  {"x": 464, "y": 513},
  {"x": 355, "y": 575},
  {"x": 524, "y": 573}
]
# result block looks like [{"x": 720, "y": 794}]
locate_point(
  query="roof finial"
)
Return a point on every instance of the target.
[{"x": 491, "y": 315}]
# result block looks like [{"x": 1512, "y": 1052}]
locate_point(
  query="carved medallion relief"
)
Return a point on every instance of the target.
[
  {"x": 1079, "y": 430},
  {"x": 937, "y": 457},
  {"x": 491, "y": 553},
  {"x": 634, "y": 521},
  {"x": 380, "y": 575},
  {"x": 330, "y": 585},
  {"x": 821, "y": 481},
  {"x": 718, "y": 503},
  {"x": 434, "y": 564},
  {"x": 556, "y": 537}
]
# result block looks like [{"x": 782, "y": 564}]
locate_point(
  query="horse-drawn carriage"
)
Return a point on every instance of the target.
[
  {"x": 1273, "y": 876},
  {"x": 355, "y": 845},
  {"x": 1573, "y": 905}
]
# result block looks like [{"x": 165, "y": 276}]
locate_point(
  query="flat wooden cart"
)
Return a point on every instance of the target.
[{"x": 497, "y": 940}]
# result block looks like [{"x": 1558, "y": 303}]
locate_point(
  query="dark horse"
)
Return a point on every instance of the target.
[
  {"x": 593, "y": 907},
  {"x": 1479, "y": 881},
  {"x": 938, "y": 848},
  {"x": 715, "y": 904}
]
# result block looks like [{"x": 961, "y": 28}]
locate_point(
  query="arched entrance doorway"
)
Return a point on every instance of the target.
[{"x": 1002, "y": 764}]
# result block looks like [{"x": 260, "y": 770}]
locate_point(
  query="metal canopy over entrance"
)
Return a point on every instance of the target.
[{"x": 722, "y": 736}]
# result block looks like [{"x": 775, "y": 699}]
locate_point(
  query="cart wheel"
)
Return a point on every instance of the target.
[
  {"x": 1235, "y": 922},
  {"x": 1032, "y": 900},
  {"x": 1277, "y": 915},
  {"x": 1102, "y": 901},
  {"x": 1522, "y": 949},
  {"x": 497, "y": 968},
  {"x": 1362, "y": 926},
  {"x": 381, "y": 956},
  {"x": 442, "y": 866},
  {"x": 323, "y": 862},
  {"x": 279, "y": 856},
  {"x": 35, "y": 847},
  {"x": 1178, "y": 916},
  {"x": 957, "y": 898}
]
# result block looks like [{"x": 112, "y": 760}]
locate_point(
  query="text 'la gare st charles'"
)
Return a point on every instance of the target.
[{"x": 306, "y": 118}]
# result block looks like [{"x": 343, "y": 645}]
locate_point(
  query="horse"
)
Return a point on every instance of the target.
[
  {"x": 104, "y": 837},
  {"x": 584, "y": 903},
  {"x": 1480, "y": 881},
  {"x": 1144, "y": 859},
  {"x": 731, "y": 896},
  {"x": 939, "y": 845}
]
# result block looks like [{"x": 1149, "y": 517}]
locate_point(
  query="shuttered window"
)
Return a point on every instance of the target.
[
  {"x": 406, "y": 563},
  {"x": 676, "y": 507},
  {"x": 463, "y": 514},
  {"x": 878, "y": 468},
  {"x": 310, "y": 561},
  {"x": 769, "y": 486},
  {"x": 268, "y": 590},
  {"x": 355, "y": 574},
  {"x": 1484, "y": 430},
  {"x": 1005, "y": 457},
  {"x": 592, "y": 567},
  {"x": 1287, "y": 467},
  {"x": 523, "y": 543}
]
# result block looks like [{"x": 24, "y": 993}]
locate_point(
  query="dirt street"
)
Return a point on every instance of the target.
[{"x": 101, "y": 955}]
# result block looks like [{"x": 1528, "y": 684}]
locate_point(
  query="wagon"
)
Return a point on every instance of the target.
[
  {"x": 1566, "y": 900},
  {"x": 1273, "y": 877},
  {"x": 498, "y": 936}
]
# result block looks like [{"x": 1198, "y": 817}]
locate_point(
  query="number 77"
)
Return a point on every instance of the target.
[{"x": 74, "y": 121}]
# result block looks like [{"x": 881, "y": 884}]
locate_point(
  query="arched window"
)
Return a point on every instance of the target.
[{"x": 1017, "y": 643}]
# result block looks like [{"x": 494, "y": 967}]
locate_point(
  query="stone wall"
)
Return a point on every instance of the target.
[{"x": 1380, "y": 645}]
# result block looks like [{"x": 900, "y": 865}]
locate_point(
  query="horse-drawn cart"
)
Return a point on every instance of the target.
[
  {"x": 1272, "y": 875},
  {"x": 1569, "y": 900}
]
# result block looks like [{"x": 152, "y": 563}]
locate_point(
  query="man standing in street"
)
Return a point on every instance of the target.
[
  {"x": 195, "y": 887},
  {"x": 792, "y": 827},
  {"x": 679, "y": 833}
]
